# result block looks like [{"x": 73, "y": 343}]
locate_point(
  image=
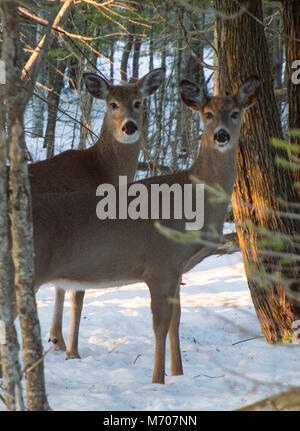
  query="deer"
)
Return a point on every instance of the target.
[
  {"x": 115, "y": 153},
  {"x": 88, "y": 252}
]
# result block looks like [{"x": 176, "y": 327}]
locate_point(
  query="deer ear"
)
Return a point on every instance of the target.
[
  {"x": 96, "y": 85},
  {"x": 192, "y": 95},
  {"x": 248, "y": 91},
  {"x": 151, "y": 82}
]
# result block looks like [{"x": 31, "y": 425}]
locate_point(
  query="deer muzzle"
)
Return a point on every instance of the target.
[
  {"x": 221, "y": 138},
  {"x": 129, "y": 128}
]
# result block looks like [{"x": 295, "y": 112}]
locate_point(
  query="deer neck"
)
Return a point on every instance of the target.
[
  {"x": 215, "y": 168},
  {"x": 116, "y": 158}
]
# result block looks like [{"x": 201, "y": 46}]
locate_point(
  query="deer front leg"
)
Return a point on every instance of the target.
[
  {"x": 162, "y": 299},
  {"x": 176, "y": 363},
  {"x": 56, "y": 329},
  {"x": 77, "y": 303}
]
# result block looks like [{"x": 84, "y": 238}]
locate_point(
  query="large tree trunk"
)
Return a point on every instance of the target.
[
  {"x": 242, "y": 52},
  {"x": 291, "y": 27},
  {"x": 20, "y": 214}
]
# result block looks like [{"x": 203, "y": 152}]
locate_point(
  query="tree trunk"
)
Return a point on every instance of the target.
[
  {"x": 22, "y": 255},
  {"x": 38, "y": 105},
  {"x": 56, "y": 83},
  {"x": 291, "y": 27},
  {"x": 243, "y": 52},
  {"x": 20, "y": 214},
  {"x": 10, "y": 369},
  {"x": 86, "y": 110},
  {"x": 86, "y": 105},
  {"x": 136, "y": 57},
  {"x": 126, "y": 53},
  {"x": 275, "y": 46}
]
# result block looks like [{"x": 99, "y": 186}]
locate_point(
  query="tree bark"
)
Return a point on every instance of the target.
[
  {"x": 38, "y": 106},
  {"x": 126, "y": 53},
  {"x": 86, "y": 109},
  {"x": 291, "y": 27},
  {"x": 56, "y": 83},
  {"x": 19, "y": 208},
  {"x": 136, "y": 57},
  {"x": 243, "y": 52},
  {"x": 10, "y": 369}
]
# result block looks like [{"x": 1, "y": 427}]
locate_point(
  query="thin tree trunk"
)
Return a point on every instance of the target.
[
  {"x": 20, "y": 215},
  {"x": 86, "y": 105},
  {"x": 56, "y": 83},
  {"x": 86, "y": 109},
  {"x": 10, "y": 369},
  {"x": 136, "y": 57},
  {"x": 22, "y": 255},
  {"x": 38, "y": 106},
  {"x": 216, "y": 62},
  {"x": 242, "y": 52},
  {"x": 126, "y": 53},
  {"x": 111, "y": 53}
]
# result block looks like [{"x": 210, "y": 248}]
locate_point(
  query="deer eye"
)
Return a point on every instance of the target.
[
  {"x": 208, "y": 115},
  {"x": 114, "y": 105},
  {"x": 137, "y": 104},
  {"x": 235, "y": 115}
]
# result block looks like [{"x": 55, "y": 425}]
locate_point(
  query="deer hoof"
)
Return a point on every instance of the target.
[
  {"x": 58, "y": 344},
  {"x": 73, "y": 355}
]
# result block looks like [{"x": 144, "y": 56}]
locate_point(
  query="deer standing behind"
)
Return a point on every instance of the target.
[
  {"x": 115, "y": 153},
  {"x": 86, "y": 252}
]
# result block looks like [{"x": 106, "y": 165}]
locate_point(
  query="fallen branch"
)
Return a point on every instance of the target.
[{"x": 284, "y": 401}]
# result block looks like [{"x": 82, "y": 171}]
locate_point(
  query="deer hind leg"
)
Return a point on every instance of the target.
[
  {"x": 176, "y": 363},
  {"x": 56, "y": 329},
  {"x": 162, "y": 302},
  {"x": 77, "y": 303}
]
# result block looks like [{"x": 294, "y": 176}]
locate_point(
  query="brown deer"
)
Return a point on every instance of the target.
[
  {"x": 115, "y": 153},
  {"x": 76, "y": 250}
]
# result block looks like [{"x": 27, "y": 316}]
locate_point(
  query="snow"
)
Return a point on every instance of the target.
[{"x": 227, "y": 363}]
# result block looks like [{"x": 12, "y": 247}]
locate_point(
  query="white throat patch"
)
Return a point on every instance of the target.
[{"x": 123, "y": 138}]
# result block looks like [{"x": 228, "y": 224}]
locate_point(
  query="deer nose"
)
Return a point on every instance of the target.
[
  {"x": 221, "y": 136},
  {"x": 129, "y": 128}
]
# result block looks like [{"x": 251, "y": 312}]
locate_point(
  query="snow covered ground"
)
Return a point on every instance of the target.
[{"x": 222, "y": 371}]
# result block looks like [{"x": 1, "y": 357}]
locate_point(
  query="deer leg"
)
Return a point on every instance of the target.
[
  {"x": 162, "y": 308},
  {"x": 176, "y": 363},
  {"x": 77, "y": 302},
  {"x": 56, "y": 329}
]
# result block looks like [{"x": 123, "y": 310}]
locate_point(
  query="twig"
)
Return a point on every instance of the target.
[
  {"x": 29, "y": 368},
  {"x": 247, "y": 339},
  {"x": 3, "y": 399},
  {"x": 65, "y": 113},
  {"x": 137, "y": 358},
  {"x": 209, "y": 377}
]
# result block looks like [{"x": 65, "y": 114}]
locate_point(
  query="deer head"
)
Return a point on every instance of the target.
[
  {"x": 221, "y": 115},
  {"x": 124, "y": 103}
]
